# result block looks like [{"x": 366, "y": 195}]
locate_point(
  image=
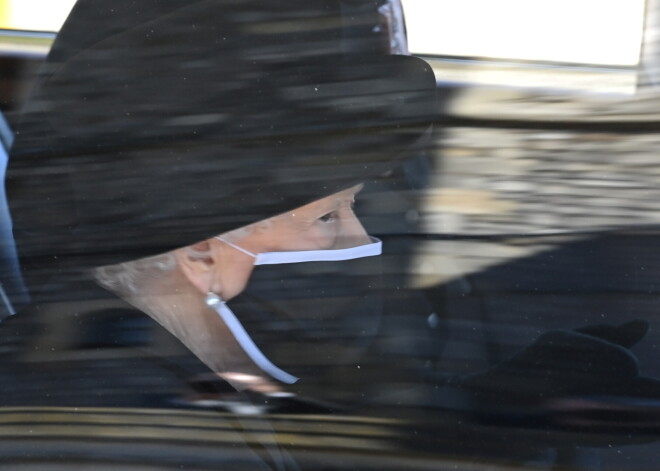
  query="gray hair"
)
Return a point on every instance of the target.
[
  {"x": 158, "y": 286},
  {"x": 130, "y": 279}
]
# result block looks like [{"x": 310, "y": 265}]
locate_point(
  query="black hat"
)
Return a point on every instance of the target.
[{"x": 201, "y": 119}]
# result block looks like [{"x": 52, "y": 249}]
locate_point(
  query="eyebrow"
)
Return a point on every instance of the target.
[{"x": 333, "y": 204}]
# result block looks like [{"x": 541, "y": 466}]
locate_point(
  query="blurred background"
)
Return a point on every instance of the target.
[
  {"x": 560, "y": 31},
  {"x": 537, "y": 209},
  {"x": 548, "y": 118}
]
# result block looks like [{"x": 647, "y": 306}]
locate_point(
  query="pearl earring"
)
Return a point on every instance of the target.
[{"x": 213, "y": 300}]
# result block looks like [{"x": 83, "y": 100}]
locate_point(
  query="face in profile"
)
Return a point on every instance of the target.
[
  {"x": 223, "y": 266},
  {"x": 326, "y": 224},
  {"x": 178, "y": 297}
]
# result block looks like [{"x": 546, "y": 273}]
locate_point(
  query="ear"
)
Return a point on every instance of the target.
[{"x": 199, "y": 266}]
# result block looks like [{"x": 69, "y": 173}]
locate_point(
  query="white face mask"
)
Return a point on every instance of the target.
[
  {"x": 274, "y": 258},
  {"x": 375, "y": 247}
]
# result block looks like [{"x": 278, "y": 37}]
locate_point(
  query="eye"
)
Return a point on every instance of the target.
[{"x": 328, "y": 218}]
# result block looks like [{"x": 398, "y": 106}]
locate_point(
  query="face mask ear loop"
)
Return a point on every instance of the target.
[
  {"x": 216, "y": 303},
  {"x": 240, "y": 249}
]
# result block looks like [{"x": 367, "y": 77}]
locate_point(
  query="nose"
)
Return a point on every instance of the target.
[{"x": 352, "y": 233}]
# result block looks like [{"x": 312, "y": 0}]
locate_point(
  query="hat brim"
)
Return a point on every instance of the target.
[{"x": 178, "y": 130}]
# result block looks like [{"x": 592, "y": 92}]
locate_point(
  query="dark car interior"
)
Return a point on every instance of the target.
[{"x": 524, "y": 335}]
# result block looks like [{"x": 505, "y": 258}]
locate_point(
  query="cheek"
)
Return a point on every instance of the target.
[
  {"x": 327, "y": 235},
  {"x": 287, "y": 236},
  {"x": 319, "y": 236}
]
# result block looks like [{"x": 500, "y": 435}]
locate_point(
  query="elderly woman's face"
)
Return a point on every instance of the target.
[{"x": 328, "y": 223}]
